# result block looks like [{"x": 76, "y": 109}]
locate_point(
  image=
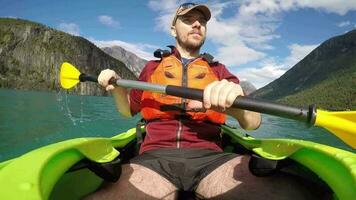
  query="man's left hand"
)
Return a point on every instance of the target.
[{"x": 221, "y": 94}]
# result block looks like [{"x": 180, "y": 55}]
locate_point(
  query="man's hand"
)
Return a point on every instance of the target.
[
  {"x": 105, "y": 76},
  {"x": 218, "y": 95},
  {"x": 221, "y": 94},
  {"x": 121, "y": 95}
]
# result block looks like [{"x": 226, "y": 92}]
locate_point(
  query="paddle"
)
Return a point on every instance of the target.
[{"x": 342, "y": 123}]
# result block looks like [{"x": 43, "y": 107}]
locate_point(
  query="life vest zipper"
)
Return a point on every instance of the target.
[
  {"x": 185, "y": 79},
  {"x": 179, "y": 132},
  {"x": 184, "y": 84}
]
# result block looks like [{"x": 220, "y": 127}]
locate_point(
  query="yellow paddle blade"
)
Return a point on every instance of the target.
[
  {"x": 342, "y": 124},
  {"x": 69, "y": 76}
]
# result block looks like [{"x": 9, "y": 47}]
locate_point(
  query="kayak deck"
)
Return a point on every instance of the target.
[
  {"x": 52, "y": 171},
  {"x": 338, "y": 168}
]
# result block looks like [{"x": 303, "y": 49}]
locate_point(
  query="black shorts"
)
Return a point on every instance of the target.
[{"x": 185, "y": 168}]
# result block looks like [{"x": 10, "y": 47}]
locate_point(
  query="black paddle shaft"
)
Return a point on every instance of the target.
[
  {"x": 304, "y": 114},
  {"x": 84, "y": 77}
]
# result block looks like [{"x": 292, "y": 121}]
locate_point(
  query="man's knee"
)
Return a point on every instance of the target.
[
  {"x": 234, "y": 180},
  {"x": 222, "y": 179},
  {"x": 137, "y": 182}
]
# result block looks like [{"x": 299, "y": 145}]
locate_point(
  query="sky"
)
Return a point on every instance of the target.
[{"x": 258, "y": 40}]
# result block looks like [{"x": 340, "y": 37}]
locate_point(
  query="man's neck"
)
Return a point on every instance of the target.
[{"x": 186, "y": 53}]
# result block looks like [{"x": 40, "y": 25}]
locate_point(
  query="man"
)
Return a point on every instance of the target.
[{"x": 181, "y": 149}]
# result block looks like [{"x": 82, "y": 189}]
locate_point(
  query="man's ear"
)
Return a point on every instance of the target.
[{"x": 173, "y": 31}]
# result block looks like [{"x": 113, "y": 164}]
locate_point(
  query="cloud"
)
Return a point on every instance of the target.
[
  {"x": 237, "y": 54},
  {"x": 10, "y": 16},
  {"x": 243, "y": 31},
  {"x": 165, "y": 10},
  {"x": 242, "y": 35},
  {"x": 70, "y": 28},
  {"x": 252, "y": 7},
  {"x": 270, "y": 69},
  {"x": 343, "y": 24},
  {"x": 108, "y": 21},
  {"x": 297, "y": 53},
  {"x": 340, "y": 7},
  {"x": 261, "y": 76},
  {"x": 144, "y": 51}
]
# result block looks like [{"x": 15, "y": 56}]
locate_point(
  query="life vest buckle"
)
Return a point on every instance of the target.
[{"x": 159, "y": 53}]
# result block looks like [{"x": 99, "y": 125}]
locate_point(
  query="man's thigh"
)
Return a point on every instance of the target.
[
  {"x": 136, "y": 182},
  {"x": 233, "y": 180}
]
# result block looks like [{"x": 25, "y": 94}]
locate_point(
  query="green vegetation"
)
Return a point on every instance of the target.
[
  {"x": 326, "y": 77},
  {"x": 335, "y": 93},
  {"x": 31, "y": 54}
]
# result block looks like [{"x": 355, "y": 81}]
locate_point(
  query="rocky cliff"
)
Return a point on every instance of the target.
[
  {"x": 31, "y": 55},
  {"x": 133, "y": 62},
  {"x": 247, "y": 87},
  {"x": 326, "y": 77}
]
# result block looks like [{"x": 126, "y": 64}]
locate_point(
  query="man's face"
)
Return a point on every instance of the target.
[{"x": 190, "y": 30}]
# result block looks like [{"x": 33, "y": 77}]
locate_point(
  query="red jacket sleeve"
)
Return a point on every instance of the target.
[{"x": 222, "y": 73}]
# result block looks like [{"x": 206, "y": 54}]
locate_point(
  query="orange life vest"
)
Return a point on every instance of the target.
[{"x": 198, "y": 74}]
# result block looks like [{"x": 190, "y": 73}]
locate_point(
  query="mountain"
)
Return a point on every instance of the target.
[
  {"x": 31, "y": 55},
  {"x": 133, "y": 62},
  {"x": 247, "y": 87},
  {"x": 326, "y": 77}
]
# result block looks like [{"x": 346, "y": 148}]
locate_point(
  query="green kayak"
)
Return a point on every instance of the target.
[{"x": 74, "y": 168}]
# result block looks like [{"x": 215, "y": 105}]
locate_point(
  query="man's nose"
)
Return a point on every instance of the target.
[{"x": 196, "y": 24}]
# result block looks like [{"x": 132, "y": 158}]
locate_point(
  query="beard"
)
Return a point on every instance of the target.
[{"x": 189, "y": 44}]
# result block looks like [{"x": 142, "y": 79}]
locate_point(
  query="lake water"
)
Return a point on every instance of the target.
[{"x": 30, "y": 119}]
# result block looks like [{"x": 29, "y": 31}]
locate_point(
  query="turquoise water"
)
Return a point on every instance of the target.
[{"x": 32, "y": 119}]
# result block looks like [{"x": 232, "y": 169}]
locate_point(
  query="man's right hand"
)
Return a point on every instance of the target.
[
  {"x": 105, "y": 76},
  {"x": 120, "y": 94}
]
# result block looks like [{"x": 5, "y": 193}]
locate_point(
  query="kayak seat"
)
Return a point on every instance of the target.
[
  {"x": 258, "y": 165},
  {"x": 261, "y": 167},
  {"x": 109, "y": 171}
]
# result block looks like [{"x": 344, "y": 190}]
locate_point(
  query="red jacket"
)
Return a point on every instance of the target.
[{"x": 180, "y": 133}]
